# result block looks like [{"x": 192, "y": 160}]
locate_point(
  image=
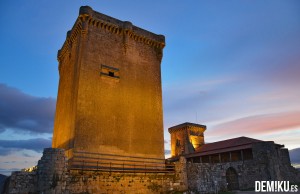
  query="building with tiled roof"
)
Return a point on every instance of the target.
[{"x": 232, "y": 164}]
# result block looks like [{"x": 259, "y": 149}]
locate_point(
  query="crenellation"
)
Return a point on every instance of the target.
[
  {"x": 71, "y": 37},
  {"x": 112, "y": 25}
]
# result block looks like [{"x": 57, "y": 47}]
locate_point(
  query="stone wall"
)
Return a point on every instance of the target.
[
  {"x": 276, "y": 161},
  {"x": 105, "y": 182},
  {"x": 52, "y": 170},
  {"x": 49, "y": 175},
  {"x": 205, "y": 177},
  {"x": 21, "y": 182},
  {"x": 53, "y": 176},
  {"x": 268, "y": 163}
]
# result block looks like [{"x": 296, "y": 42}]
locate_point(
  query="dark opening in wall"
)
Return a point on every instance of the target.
[
  {"x": 247, "y": 153},
  {"x": 111, "y": 74}
]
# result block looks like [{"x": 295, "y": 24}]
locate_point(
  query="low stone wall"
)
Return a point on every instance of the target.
[{"x": 52, "y": 176}]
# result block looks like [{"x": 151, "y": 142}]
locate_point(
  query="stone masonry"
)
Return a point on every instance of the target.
[
  {"x": 53, "y": 176},
  {"x": 265, "y": 166},
  {"x": 110, "y": 98},
  {"x": 50, "y": 175}
]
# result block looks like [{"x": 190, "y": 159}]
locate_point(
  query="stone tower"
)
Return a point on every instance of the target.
[
  {"x": 109, "y": 102},
  {"x": 186, "y": 137}
]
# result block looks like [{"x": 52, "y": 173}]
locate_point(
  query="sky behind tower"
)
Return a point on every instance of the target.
[{"x": 231, "y": 65}]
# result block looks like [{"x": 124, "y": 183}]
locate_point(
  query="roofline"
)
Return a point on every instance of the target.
[
  {"x": 230, "y": 147},
  {"x": 219, "y": 151}
]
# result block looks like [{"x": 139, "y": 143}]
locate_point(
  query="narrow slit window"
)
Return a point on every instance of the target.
[{"x": 110, "y": 72}]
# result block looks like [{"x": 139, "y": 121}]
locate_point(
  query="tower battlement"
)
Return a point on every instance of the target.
[{"x": 89, "y": 17}]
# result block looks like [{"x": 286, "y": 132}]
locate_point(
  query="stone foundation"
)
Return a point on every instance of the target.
[{"x": 53, "y": 176}]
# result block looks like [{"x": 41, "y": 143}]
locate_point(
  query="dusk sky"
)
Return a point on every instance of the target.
[{"x": 232, "y": 65}]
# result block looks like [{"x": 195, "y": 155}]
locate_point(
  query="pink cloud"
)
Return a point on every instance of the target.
[{"x": 258, "y": 124}]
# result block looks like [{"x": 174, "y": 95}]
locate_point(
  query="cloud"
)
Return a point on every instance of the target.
[
  {"x": 9, "y": 146},
  {"x": 5, "y": 151},
  {"x": 23, "y": 112},
  {"x": 259, "y": 124},
  {"x": 196, "y": 100},
  {"x": 7, "y": 172}
]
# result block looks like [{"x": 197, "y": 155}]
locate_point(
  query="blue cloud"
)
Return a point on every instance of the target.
[
  {"x": 37, "y": 144},
  {"x": 23, "y": 112}
]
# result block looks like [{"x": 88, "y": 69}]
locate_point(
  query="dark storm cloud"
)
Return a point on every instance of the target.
[
  {"x": 23, "y": 112},
  {"x": 10, "y": 146}
]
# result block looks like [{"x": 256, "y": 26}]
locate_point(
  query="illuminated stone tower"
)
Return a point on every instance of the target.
[
  {"x": 186, "y": 138},
  {"x": 109, "y": 101}
]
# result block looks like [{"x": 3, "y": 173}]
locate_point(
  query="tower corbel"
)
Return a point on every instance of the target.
[{"x": 127, "y": 31}]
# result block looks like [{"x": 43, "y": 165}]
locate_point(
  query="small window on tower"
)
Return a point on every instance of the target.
[{"x": 110, "y": 72}]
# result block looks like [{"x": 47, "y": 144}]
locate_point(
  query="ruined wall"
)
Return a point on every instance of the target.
[
  {"x": 49, "y": 175},
  {"x": 21, "y": 182},
  {"x": 53, "y": 176}
]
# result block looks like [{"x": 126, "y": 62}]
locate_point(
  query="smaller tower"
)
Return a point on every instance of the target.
[{"x": 186, "y": 138}]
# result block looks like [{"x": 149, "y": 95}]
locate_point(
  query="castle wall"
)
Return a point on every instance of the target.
[
  {"x": 53, "y": 176},
  {"x": 139, "y": 183}
]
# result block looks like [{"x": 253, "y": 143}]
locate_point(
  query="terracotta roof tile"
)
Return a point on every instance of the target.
[{"x": 227, "y": 144}]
